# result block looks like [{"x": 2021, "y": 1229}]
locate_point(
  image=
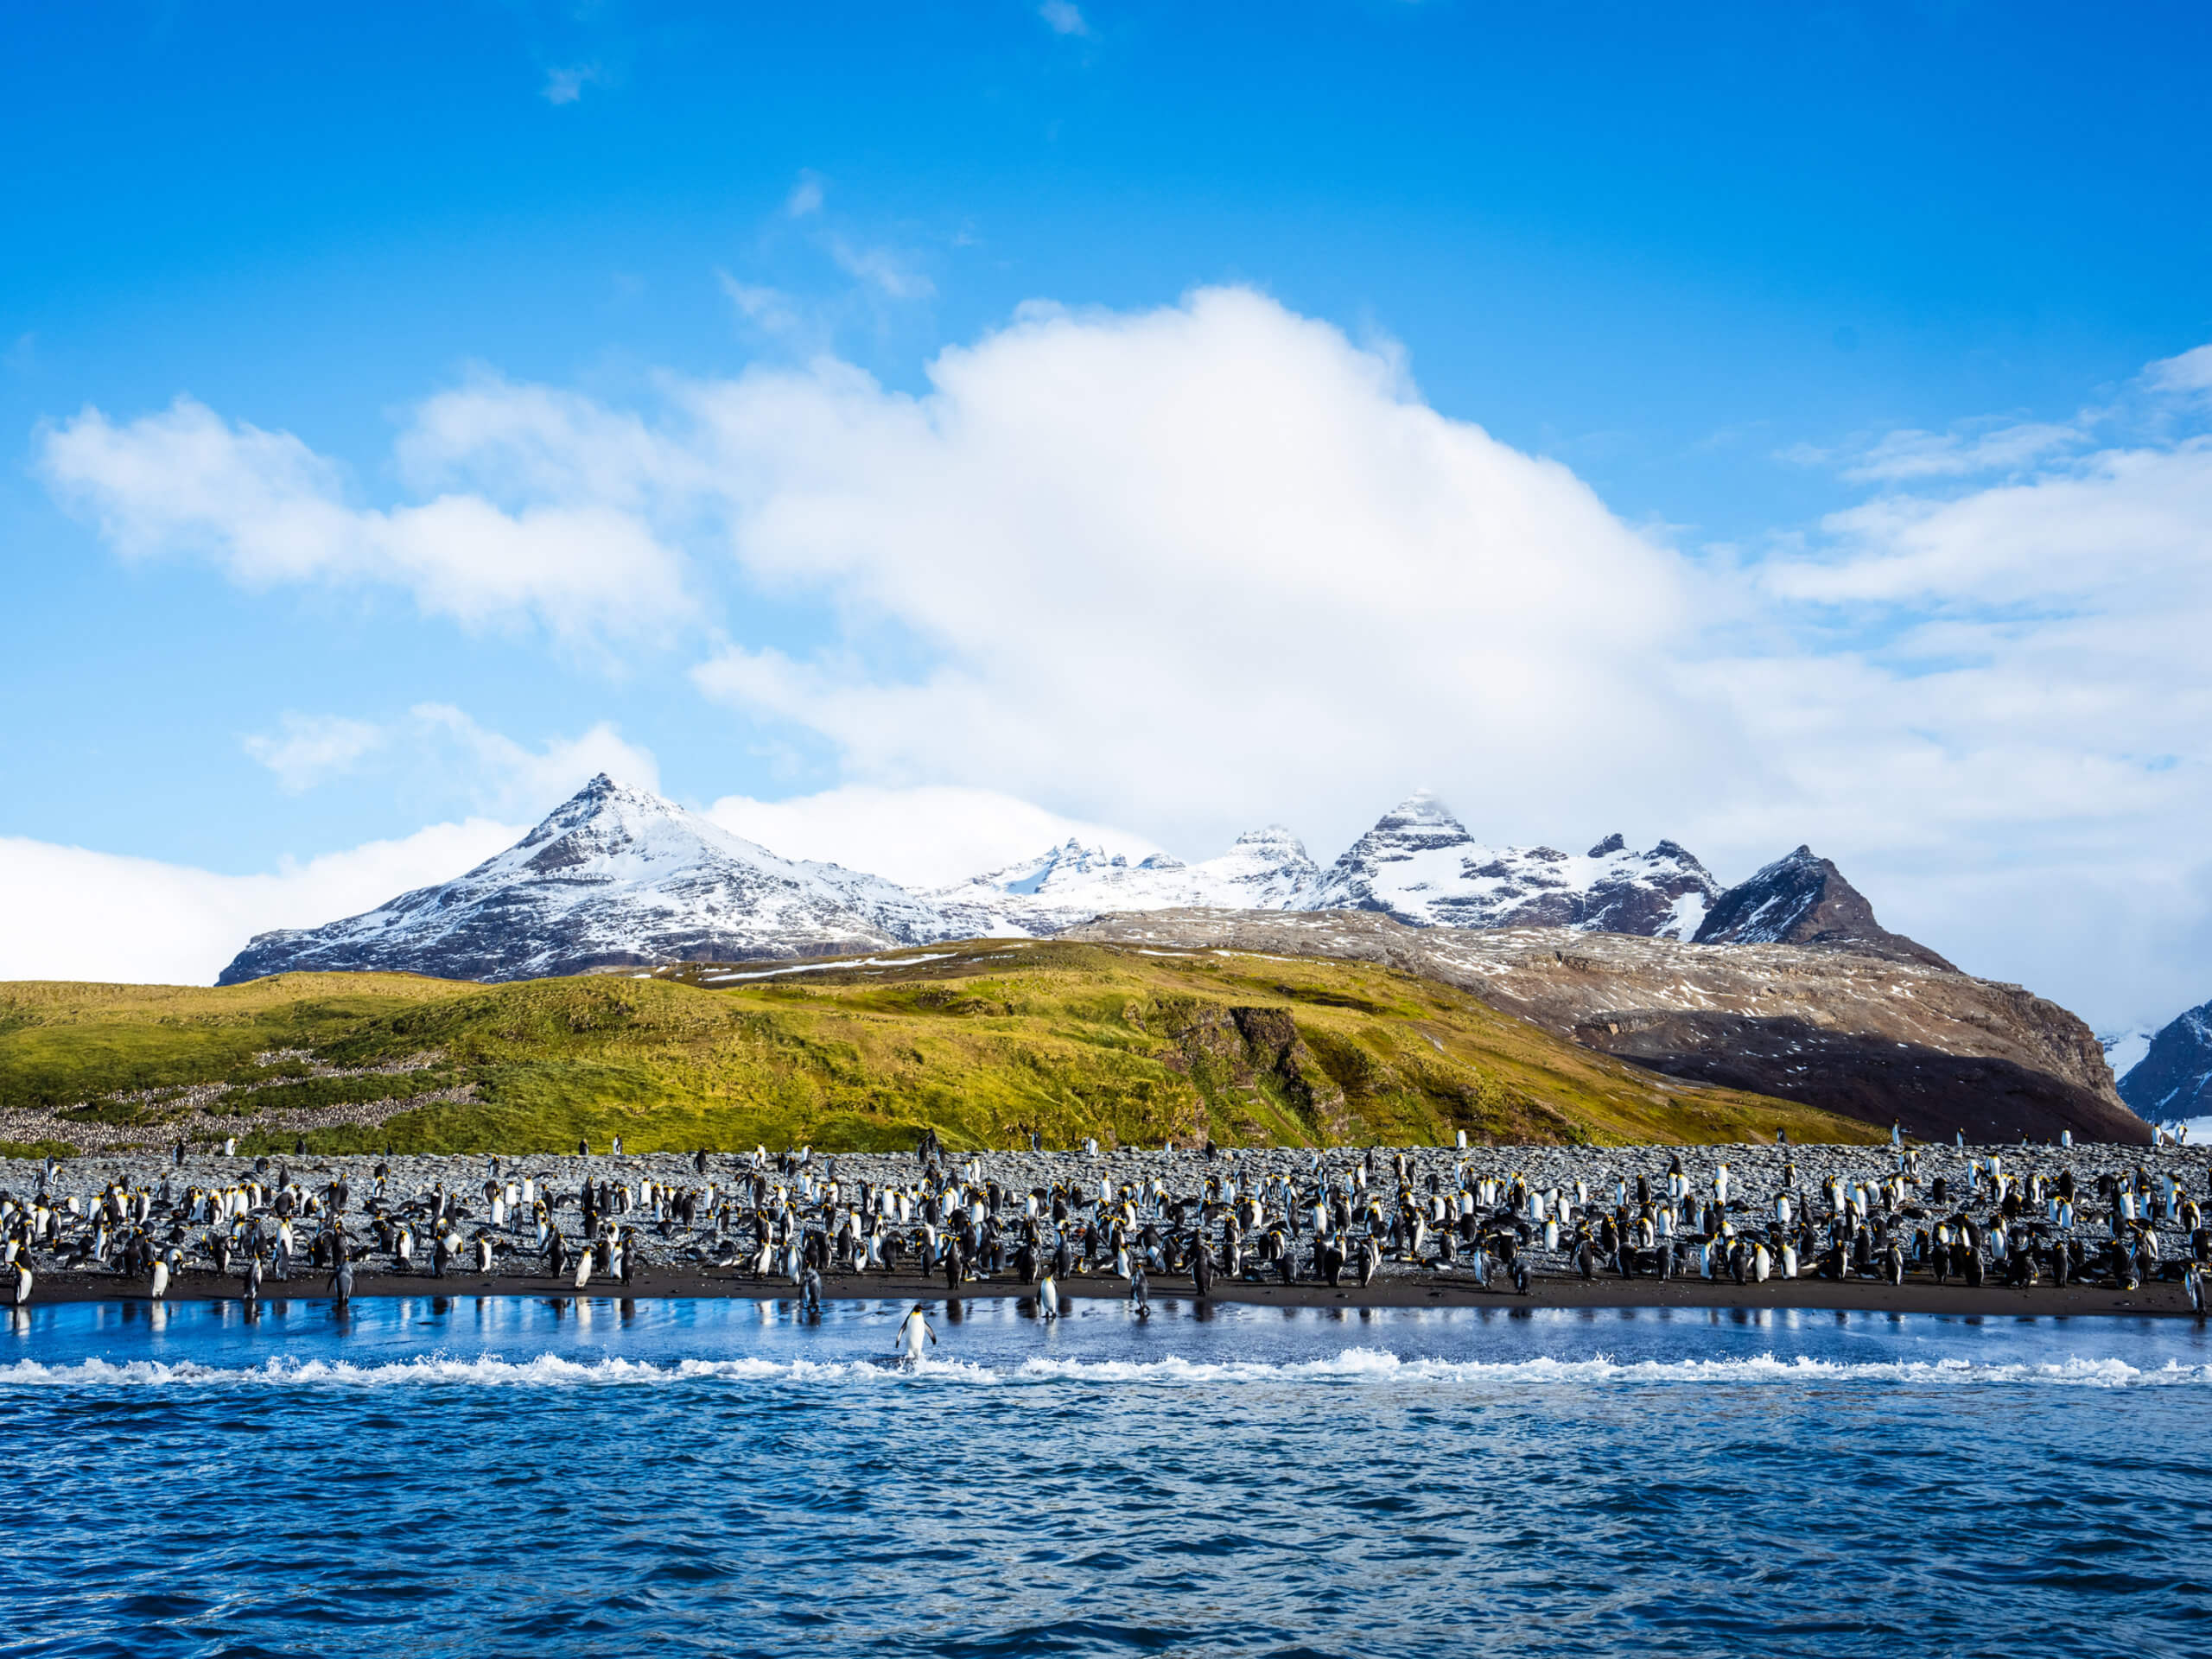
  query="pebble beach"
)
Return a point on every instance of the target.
[{"x": 1548, "y": 1225}]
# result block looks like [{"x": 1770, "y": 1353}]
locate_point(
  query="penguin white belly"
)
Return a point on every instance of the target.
[{"x": 161, "y": 1279}]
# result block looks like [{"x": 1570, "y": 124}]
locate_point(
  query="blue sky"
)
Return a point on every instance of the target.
[{"x": 1813, "y": 301}]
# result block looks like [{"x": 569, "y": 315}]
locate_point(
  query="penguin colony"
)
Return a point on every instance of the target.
[{"x": 1498, "y": 1218}]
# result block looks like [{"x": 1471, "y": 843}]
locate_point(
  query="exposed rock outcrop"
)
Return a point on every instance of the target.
[{"x": 1875, "y": 1037}]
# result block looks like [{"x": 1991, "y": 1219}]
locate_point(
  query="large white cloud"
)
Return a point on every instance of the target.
[
  {"x": 77, "y": 914},
  {"x": 1213, "y": 564}
]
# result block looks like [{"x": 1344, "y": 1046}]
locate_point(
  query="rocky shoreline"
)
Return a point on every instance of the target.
[{"x": 691, "y": 1225}]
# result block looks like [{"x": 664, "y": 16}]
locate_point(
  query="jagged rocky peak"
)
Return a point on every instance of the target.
[
  {"x": 1804, "y": 900},
  {"x": 614, "y": 876},
  {"x": 2172, "y": 1082},
  {"x": 1420, "y": 865}
]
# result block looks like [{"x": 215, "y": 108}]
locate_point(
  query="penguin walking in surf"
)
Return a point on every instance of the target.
[
  {"x": 161, "y": 1279},
  {"x": 1048, "y": 1297},
  {"x": 908, "y": 1343},
  {"x": 341, "y": 1282}
]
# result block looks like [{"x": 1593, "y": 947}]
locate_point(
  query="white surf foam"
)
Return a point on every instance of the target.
[{"x": 1353, "y": 1367}]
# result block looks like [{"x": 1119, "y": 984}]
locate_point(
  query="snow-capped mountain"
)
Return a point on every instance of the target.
[
  {"x": 2173, "y": 1080},
  {"x": 1420, "y": 865},
  {"x": 617, "y": 877},
  {"x": 614, "y": 876},
  {"x": 1804, "y": 900},
  {"x": 1266, "y": 869},
  {"x": 2124, "y": 1050}
]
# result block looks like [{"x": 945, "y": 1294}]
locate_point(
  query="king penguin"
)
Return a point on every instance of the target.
[
  {"x": 1048, "y": 1296},
  {"x": 161, "y": 1279}
]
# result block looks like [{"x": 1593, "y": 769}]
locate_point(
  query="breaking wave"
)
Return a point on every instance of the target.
[{"x": 1353, "y": 1367}]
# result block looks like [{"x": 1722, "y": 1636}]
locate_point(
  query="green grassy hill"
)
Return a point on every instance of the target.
[{"x": 985, "y": 1042}]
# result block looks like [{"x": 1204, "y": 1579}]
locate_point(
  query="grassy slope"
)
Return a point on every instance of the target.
[{"x": 988, "y": 1045}]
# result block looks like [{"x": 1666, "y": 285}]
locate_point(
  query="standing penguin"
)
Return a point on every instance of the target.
[
  {"x": 341, "y": 1282},
  {"x": 161, "y": 1279},
  {"x": 23, "y": 1280},
  {"x": 1048, "y": 1296}
]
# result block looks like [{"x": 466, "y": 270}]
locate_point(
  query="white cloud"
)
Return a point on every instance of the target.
[
  {"x": 506, "y": 776},
  {"x": 76, "y": 914},
  {"x": 1957, "y": 453},
  {"x": 924, "y": 837},
  {"x": 2189, "y": 372},
  {"x": 1157, "y": 565},
  {"x": 806, "y": 197},
  {"x": 893, "y": 273},
  {"x": 565, "y": 85},
  {"x": 1214, "y": 564},
  {"x": 441, "y": 749},
  {"x": 308, "y": 748},
  {"x": 265, "y": 509},
  {"x": 1064, "y": 17},
  {"x": 769, "y": 310}
]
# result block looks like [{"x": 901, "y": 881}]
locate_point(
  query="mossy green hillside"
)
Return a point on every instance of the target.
[{"x": 986, "y": 1044}]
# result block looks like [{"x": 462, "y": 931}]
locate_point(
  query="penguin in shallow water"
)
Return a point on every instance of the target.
[
  {"x": 2193, "y": 1282},
  {"x": 1048, "y": 1296},
  {"x": 341, "y": 1283},
  {"x": 908, "y": 1342},
  {"x": 161, "y": 1279},
  {"x": 22, "y": 1281}
]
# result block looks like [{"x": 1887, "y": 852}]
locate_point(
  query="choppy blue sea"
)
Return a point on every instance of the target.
[{"x": 497, "y": 1476}]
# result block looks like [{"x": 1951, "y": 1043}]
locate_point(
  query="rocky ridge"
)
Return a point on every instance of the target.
[{"x": 1804, "y": 900}]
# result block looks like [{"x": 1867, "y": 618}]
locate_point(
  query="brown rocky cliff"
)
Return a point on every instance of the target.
[{"x": 1874, "y": 1037}]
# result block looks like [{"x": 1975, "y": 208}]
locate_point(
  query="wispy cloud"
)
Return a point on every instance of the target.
[
  {"x": 2190, "y": 372},
  {"x": 441, "y": 749},
  {"x": 309, "y": 749},
  {"x": 1064, "y": 17},
  {"x": 565, "y": 85},
  {"x": 806, "y": 197},
  {"x": 1960, "y": 453},
  {"x": 769, "y": 310},
  {"x": 890, "y": 273}
]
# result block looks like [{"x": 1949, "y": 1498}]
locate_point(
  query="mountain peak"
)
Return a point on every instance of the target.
[
  {"x": 1802, "y": 899},
  {"x": 614, "y": 876}
]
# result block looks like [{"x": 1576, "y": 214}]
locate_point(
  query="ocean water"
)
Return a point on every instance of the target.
[{"x": 506, "y": 1476}]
